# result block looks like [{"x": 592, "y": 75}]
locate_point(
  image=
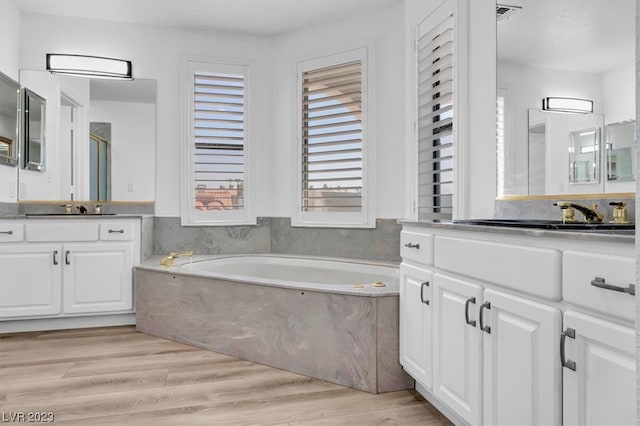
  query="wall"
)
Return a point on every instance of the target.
[
  {"x": 526, "y": 87},
  {"x": 132, "y": 138},
  {"x": 158, "y": 53},
  {"x": 10, "y": 24},
  {"x": 382, "y": 32}
]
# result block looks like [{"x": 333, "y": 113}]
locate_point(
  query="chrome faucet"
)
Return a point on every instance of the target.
[
  {"x": 168, "y": 260},
  {"x": 591, "y": 214}
]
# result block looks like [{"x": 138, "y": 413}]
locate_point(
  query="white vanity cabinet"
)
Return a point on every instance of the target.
[
  {"x": 68, "y": 267},
  {"x": 415, "y": 322},
  {"x": 499, "y": 303}
]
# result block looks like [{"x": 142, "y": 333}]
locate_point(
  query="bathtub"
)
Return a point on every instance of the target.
[{"x": 331, "y": 319}]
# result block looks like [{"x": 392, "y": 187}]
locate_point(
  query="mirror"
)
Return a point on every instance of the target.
[
  {"x": 584, "y": 156},
  {"x": 33, "y": 131},
  {"x": 620, "y": 148},
  {"x": 9, "y": 122},
  {"x": 78, "y": 167},
  {"x": 562, "y": 48}
]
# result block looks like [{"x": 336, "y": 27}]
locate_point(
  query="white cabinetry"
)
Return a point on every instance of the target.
[
  {"x": 457, "y": 352},
  {"x": 498, "y": 305},
  {"x": 66, "y": 267},
  {"x": 29, "y": 280},
  {"x": 97, "y": 278},
  {"x": 415, "y": 322},
  {"x": 521, "y": 363},
  {"x": 600, "y": 372}
]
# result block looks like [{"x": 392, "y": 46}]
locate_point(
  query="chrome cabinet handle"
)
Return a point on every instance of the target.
[
  {"x": 600, "y": 282},
  {"x": 116, "y": 231},
  {"x": 485, "y": 328},
  {"x": 66, "y": 257},
  {"x": 6, "y": 232},
  {"x": 466, "y": 311},
  {"x": 411, "y": 245},
  {"x": 55, "y": 257},
  {"x": 422, "y": 286},
  {"x": 571, "y": 333}
]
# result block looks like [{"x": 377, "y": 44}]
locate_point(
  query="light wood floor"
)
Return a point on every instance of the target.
[{"x": 116, "y": 376}]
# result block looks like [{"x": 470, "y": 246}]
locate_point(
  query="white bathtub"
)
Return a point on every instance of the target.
[
  {"x": 320, "y": 274},
  {"x": 319, "y": 317}
]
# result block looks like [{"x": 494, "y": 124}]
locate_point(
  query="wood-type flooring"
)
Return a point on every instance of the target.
[{"x": 117, "y": 376}]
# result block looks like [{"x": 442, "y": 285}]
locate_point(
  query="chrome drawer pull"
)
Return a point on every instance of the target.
[
  {"x": 116, "y": 231},
  {"x": 6, "y": 232},
  {"x": 466, "y": 311},
  {"x": 599, "y": 282},
  {"x": 410, "y": 245},
  {"x": 422, "y": 286},
  {"x": 485, "y": 328},
  {"x": 567, "y": 363}
]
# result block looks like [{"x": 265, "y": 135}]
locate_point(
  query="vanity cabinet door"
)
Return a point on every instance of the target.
[
  {"x": 415, "y": 323},
  {"x": 97, "y": 277},
  {"x": 29, "y": 280},
  {"x": 457, "y": 346},
  {"x": 522, "y": 367},
  {"x": 601, "y": 387}
]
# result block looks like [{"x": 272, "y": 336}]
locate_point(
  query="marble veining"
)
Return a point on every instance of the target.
[{"x": 345, "y": 339}]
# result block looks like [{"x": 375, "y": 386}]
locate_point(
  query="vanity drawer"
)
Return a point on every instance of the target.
[
  {"x": 533, "y": 270},
  {"x": 61, "y": 231},
  {"x": 11, "y": 232},
  {"x": 416, "y": 246},
  {"x": 581, "y": 268},
  {"x": 116, "y": 231}
]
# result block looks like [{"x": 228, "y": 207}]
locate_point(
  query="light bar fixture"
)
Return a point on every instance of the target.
[
  {"x": 89, "y": 66},
  {"x": 567, "y": 105}
]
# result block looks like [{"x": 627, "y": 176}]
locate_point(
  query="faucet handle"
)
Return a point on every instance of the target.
[
  {"x": 619, "y": 212},
  {"x": 97, "y": 209},
  {"x": 68, "y": 208},
  {"x": 568, "y": 212}
]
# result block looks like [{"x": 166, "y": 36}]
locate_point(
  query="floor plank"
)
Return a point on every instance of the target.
[{"x": 116, "y": 376}]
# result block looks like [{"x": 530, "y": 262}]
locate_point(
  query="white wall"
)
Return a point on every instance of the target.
[
  {"x": 10, "y": 24},
  {"x": 157, "y": 53},
  {"x": 132, "y": 144},
  {"x": 526, "y": 87},
  {"x": 619, "y": 99},
  {"x": 382, "y": 31}
]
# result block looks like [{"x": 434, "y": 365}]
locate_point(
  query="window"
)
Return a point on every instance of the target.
[
  {"x": 436, "y": 114},
  {"x": 218, "y": 187},
  {"x": 333, "y": 147}
]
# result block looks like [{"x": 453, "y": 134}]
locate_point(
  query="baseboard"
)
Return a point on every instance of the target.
[{"x": 17, "y": 326}]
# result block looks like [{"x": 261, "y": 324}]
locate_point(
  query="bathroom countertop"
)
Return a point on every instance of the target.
[
  {"x": 620, "y": 236},
  {"x": 74, "y": 216}
]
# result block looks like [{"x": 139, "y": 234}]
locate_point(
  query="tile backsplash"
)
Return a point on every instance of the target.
[{"x": 544, "y": 209}]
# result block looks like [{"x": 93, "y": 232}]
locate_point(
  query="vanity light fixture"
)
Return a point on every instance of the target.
[
  {"x": 89, "y": 66},
  {"x": 567, "y": 105}
]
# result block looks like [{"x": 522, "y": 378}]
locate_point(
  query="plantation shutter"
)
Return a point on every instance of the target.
[
  {"x": 332, "y": 151},
  {"x": 219, "y": 138},
  {"x": 435, "y": 50}
]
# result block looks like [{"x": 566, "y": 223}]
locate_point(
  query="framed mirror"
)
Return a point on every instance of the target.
[
  {"x": 561, "y": 48},
  {"x": 78, "y": 167},
  {"x": 33, "y": 130},
  {"x": 584, "y": 156},
  {"x": 9, "y": 120},
  {"x": 620, "y": 148}
]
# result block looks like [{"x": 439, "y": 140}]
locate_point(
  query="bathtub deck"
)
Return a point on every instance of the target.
[
  {"x": 115, "y": 376},
  {"x": 345, "y": 339}
]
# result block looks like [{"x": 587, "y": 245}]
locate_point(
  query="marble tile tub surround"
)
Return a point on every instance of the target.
[
  {"x": 276, "y": 235},
  {"x": 544, "y": 209},
  {"x": 344, "y": 339},
  {"x": 380, "y": 243}
]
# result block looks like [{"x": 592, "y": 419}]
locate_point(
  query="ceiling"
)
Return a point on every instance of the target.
[
  {"x": 587, "y": 35},
  {"x": 264, "y": 18}
]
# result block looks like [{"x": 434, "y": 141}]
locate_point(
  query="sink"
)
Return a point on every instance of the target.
[
  {"x": 69, "y": 214},
  {"x": 550, "y": 224}
]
